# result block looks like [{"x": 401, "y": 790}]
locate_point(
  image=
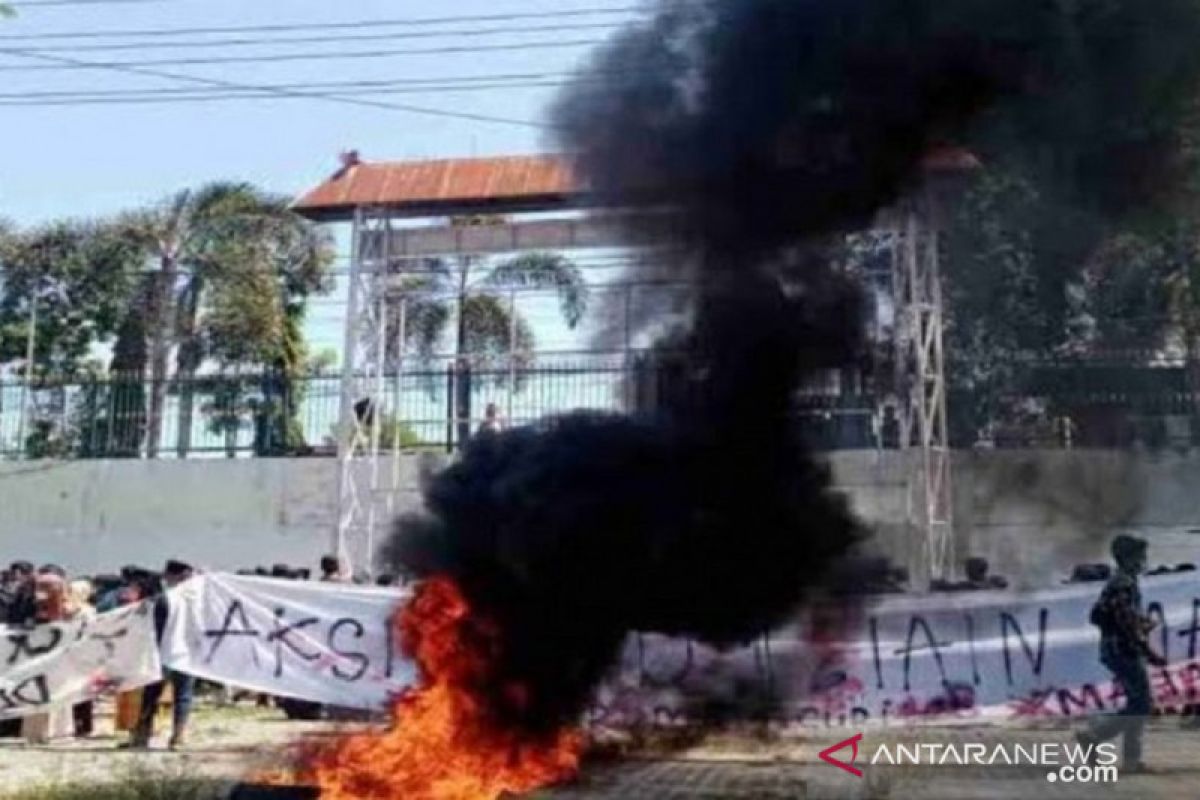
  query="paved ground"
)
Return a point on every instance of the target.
[
  {"x": 228, "y": 745},
  {"x": 794, "y": 772}
]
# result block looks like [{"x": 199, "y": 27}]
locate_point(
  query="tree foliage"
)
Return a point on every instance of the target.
[
  {"x": 236, "y": 268},
  {"x": 475, "y": 297},
  {"x": 1031, "y": 280},
  {"x": 80, "y": 275},
  {"x": 218, "y": 276}
]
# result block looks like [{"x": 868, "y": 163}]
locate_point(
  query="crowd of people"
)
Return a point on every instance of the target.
[
  {"x": 331, "y": 570},
  {"x": 31, "y": 595}
]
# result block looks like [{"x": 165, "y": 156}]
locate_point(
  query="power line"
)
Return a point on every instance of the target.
[
  {"x": 317, "y": 26},
  {"x": 326, "y": 39},
  {"x": 134, "y": 98},
  {"x": 380, "y": 83},
  {"x": 283, "y": 57},
  {"x": 219, "y": 83}
]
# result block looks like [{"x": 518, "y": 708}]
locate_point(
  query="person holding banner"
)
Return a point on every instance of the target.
[
  {"x": 50, "y": 594},
  {"x": 16, "y": 595},
  {"x": 17, "y": 607},
  {"x": 79, "y": 606},
  {"x": 1125, "y": 650},
  {"x": 129, "y": 703},
  {"x": 182, "y": 685}
]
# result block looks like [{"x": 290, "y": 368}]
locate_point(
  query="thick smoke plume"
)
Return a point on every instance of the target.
[{"x": 761, "y": 130}]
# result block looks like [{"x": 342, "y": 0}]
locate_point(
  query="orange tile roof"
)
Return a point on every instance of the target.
[
  {"x": 460, "y": 186},
  {"x": 443, "y": 187}
]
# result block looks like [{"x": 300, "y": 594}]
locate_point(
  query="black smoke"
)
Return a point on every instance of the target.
[
  {"x": 758, "y": 132},
  {"x": 710, "y": 522}
]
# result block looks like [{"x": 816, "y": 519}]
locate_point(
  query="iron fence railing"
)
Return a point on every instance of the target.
[
  {"x": 434, "y": 405},
  {"x": 270, "y": 414}
]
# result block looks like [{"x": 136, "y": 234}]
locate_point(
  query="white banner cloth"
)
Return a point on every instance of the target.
[
  {"x": 72, "y": 662},
  {"x": 906, "y": 659},
  {"x": 899, "y": 659},
  {"x": 326, "y": 642}
]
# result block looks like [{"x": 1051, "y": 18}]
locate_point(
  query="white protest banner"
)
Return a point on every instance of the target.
[
  {"x": 896, "y": 660},
  {"x": 72, "y": 662},
  {"x": 908, "y": 659},
  {"x": 325, "y": 642}
]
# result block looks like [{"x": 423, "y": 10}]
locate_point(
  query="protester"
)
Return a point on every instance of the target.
[
  {"x": 1124, "y": 651},
  {"x": 182, "y": 684},
  {"x": 112, "y": 598},
  {"x": 979, "y": 578},
  {"x": 333, "y": 570},
  {"x": 50, "y": 598},
  {"x": 17, "y": 607},
  {"x": 19, "y": 603},
  {"x": 129, "y": 703},
  {"x": 32, "y": 595},
  {"x": 491, "y": 420},
  {"x": 79, "y": 606}
]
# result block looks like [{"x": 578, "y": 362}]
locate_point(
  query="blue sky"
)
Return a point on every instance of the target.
[
  {"x": 95, "y": 159},
  {"x": 89, "y": 160}
]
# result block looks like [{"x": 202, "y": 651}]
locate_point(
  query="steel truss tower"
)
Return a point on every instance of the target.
[
  {"x": 921, "y": 382},
  {"x": 369, "y": 480},
  {"x": 362, "y": 498}
]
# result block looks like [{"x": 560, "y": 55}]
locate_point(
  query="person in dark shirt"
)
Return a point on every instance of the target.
[
  {"x": 1125, "y": 651},
  {"x": 20, "y": 604},
  {"x": 183, "y": 685},
  {"x": 491, "y": 420},
  {"x": 333, "y": 569}
]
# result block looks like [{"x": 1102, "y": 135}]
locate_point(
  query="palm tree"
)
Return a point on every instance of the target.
[
  {"x": 476, "y": 295},
  {"x": 233, "y": 268}
]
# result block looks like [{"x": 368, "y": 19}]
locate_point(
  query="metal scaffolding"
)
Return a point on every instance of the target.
[
  {"x": 376, "y": 310},
  {"x": 361, "y": 414},
  {"x": 921, "y": 383},
  {"x": 374, "y": 203}
]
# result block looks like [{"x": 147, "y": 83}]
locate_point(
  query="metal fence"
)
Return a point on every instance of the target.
[{"x": 268, "y": 414}]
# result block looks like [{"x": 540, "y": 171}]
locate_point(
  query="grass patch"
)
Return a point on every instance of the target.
[{"x": 138, "y": 784}]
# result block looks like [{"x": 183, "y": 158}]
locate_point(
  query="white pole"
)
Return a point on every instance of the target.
[{"x": 348, "y": 433}]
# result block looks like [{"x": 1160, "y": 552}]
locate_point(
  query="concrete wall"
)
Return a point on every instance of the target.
[
  {"x": 1033, "y": 514},
  {"x": 225, "y": 514}
]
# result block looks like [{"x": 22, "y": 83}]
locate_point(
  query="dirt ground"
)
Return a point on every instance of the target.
[
  {"x": 226, "y": 744},
  {"x": 230, "y": 744}
]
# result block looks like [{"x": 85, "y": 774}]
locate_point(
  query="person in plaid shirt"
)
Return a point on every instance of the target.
[{"x": 1125, "y": 650}]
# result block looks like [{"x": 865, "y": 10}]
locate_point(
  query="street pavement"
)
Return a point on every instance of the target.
[
  {"x": 794, "y": 772},
  {"x": 233, "y": 745}
]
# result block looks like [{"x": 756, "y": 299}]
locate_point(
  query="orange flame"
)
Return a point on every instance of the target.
[{"x": 442, "y": 743}]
